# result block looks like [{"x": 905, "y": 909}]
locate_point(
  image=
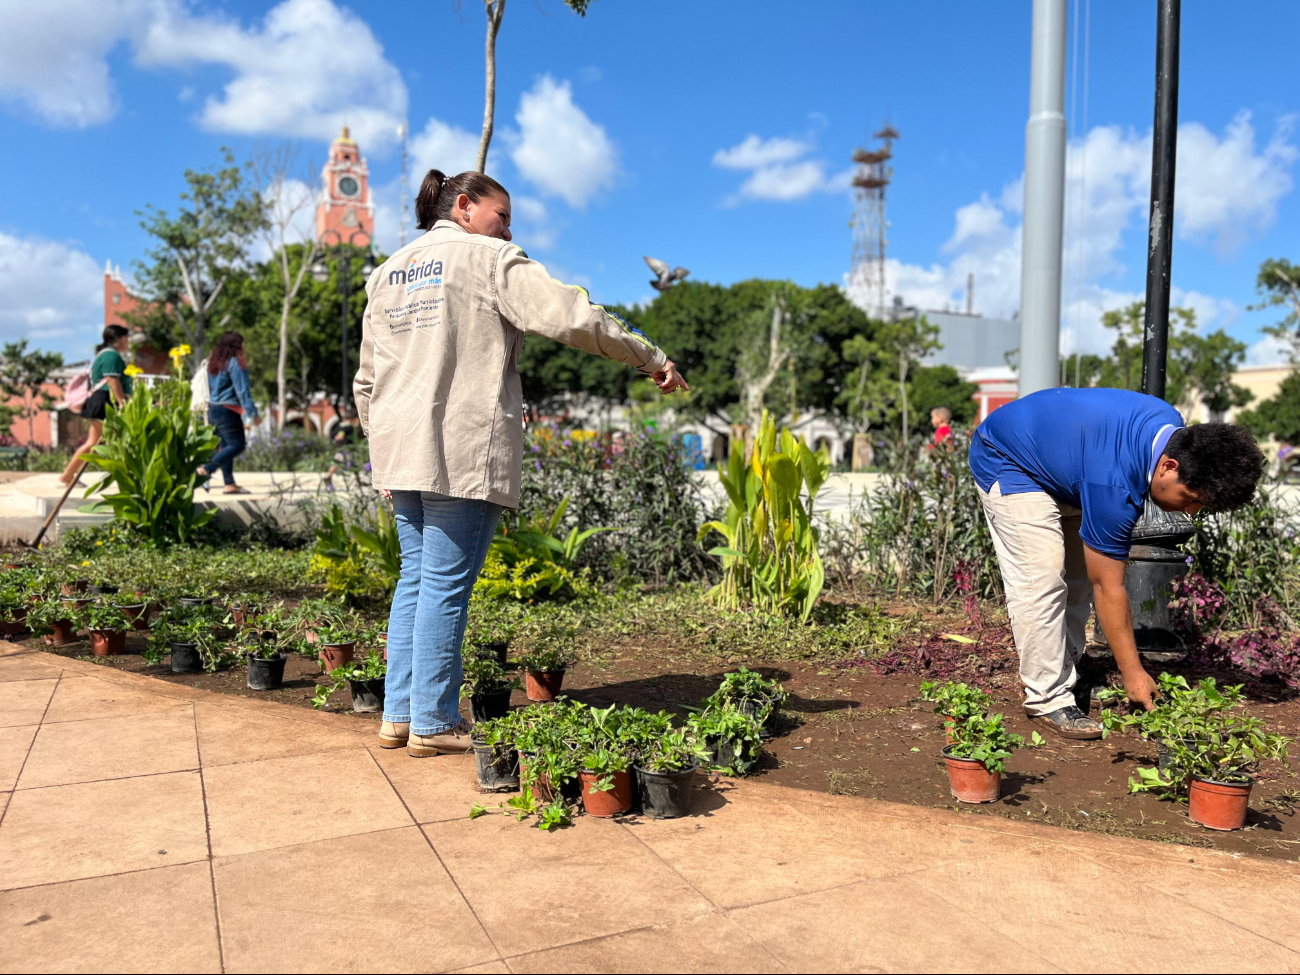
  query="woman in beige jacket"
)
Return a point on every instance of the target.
[{"x": 439, "y": 396}]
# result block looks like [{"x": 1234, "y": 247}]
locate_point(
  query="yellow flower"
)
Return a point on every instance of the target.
[
  {"x": 99, "y": 543},
  {"x": 87, "y": 562},
  {"x": 134, "y": 370},
  {"x": 179, "y": 352}
]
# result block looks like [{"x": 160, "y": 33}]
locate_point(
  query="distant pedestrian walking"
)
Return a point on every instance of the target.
[
  {"x": 941, "y": 420},
  {"x": 108, "y": 378},
  {"x": 230, "y": 407}
]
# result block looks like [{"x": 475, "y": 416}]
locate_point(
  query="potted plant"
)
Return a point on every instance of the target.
[
  {"x": 338, "y": 644},
  {"x": 955, "y": 701},
  {"x": 191, "y": 634},
  {"x": 495, "y": 757},
  {"x": 606, "y": 779},
  {"x": 545, "y": 662},
  {"x": 753, "y": 694},
  {"x": 1183, "y": 714},
  {"x": 365, "y": 679},
  {"x": 487, "y": 687},
  {"x": 665, "y": 774},
  {"x": 106, "y": 627},
  {"x": 1212, "y": 750},
  {"x": 978, "y": 756},
  {"x": 266, "y": 659},
  {"x": 101, "y": 585},
  {"x": 50, "y": 619},
  {"x": 246, "y": 607},
  {"x": 137, "y": 613},
  {"x": 731, "y": 739},
  {"x": 15, "y": 601},
  {"x": 192, "y": 599},
  {"x": 74, "y": 587},
  {"x": 313, "y": 614}
]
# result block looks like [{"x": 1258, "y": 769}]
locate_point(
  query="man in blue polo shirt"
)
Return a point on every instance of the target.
[{"x": 1063, "y": 475}]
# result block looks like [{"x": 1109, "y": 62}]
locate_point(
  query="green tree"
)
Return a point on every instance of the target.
[
  {"x": 1278, "y": 282},
  {"x": 23, "y": 376},
  {"x": 199, "y": 251},
  {"x": 1278, "y": 417}
]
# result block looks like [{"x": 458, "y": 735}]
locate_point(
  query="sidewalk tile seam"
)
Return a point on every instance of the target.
[
  {"x": 618, "y": 934},
  {"x": 207, "y": 832},
  {"x": 442, "y": 863},
  {"x": 1203, "y": 910},
  {"x": 111, "y": 778},
  {"x": 30, "y": 745},
  {"x": 101, "y": 876}
]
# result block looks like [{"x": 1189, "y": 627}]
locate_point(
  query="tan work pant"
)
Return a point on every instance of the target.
[{"x": 1049, "y": 596}]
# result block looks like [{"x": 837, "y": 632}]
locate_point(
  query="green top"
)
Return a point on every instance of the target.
[{"x": 109, "y": 362}]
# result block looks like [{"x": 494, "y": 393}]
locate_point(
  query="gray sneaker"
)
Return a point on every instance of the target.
[{"x": 1069, "y": 722}]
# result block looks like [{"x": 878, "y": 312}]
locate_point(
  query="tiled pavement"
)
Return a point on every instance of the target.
[{"x": 150, "y": 827}]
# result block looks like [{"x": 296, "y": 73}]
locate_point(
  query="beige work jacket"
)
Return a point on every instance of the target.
[{"x": 438, "y": 389}]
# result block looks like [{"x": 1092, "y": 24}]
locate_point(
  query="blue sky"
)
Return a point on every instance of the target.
[{"x": 713, "y": 135}]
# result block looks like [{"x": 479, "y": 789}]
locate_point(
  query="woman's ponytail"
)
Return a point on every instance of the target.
[
  {"x": 426, "y": 201},
  {"x": 438, "y": 194}
]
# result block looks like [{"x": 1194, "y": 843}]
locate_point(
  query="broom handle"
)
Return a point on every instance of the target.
[{"x": 36, "y": 542}]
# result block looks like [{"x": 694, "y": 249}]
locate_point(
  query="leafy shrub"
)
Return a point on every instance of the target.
[
  {"x": 371, "y": 667},
  {"x": 770, "y": 560},
  {"x": 920, "y": 532},
  {"x": 362, "y": 560},
  {"x": 641, "y": 485},
  {"x": 300, "y": 450},
  {"x": 984, "y": 739},
  {"x": 531, "y": 562},
  {"x": 756, "y": 695},
  {"x": 731, "y": 738},
  {"x": 958, "y": 701},
  {"x": 151, "y": 450}
]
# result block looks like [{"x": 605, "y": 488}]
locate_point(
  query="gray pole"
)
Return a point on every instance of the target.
[
  {"x": 1040, "y": 260},
  {"x": 1160, "y": 246}
]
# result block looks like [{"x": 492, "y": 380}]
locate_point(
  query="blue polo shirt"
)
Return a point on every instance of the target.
[{"x": 1095, "y": 449}]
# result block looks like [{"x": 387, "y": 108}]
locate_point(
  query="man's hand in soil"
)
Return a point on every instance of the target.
[
  {"x": 1141, "y": 689},
  {"x": 1116, "y": 618}
]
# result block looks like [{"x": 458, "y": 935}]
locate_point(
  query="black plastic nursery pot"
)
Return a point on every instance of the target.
[
  {"x": 498, "y": 768},
  {"x": 367, "y": 695},
  {"x": 665, "y": 795},
  {"x": 752, "y": 707},
  {"x": 1164, "y": 758},
  {"x": 185, "y": 658},
  {"x": 492, "y": 651},
  {"x": 490, "y": 704},
  {"x": 103, "y": 590},
  {"x": 266, "y": 674},
  {"x": 190, "y": 602},
  {"x": 723, "y": 753}
]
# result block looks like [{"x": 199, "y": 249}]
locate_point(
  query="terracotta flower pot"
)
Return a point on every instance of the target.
[
  {"x": 543, "y": 685},
  {"x": 610, "y": 803},
  {"x": 64, "y": 633},
  {"x": 107, "y": 643},
  {"x": 948, "y": 722},
  {"x": 1218, "y": 805},
  {"x": 76, "y": 586},
  {"x": 18, "y": 624},
  {"x": 138, "y": 614},
  {"x": 335, "y": 655},
  {"x": 970, "y": 781},
  {"x": 76, "y": 602}
]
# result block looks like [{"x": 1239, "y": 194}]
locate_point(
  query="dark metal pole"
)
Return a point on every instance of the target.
[
  {"x": 1164, "y": 150},
  {"x": 345, "y": 269}
]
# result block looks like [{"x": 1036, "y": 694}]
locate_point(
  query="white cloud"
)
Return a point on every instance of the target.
[
  {"x": 50, "y": 292},
  {"x": 1269, "y": 351},
  {"x": 558, "y": 148},
  {"x": 778, "y": 170},
  {"x": 308, "y": 68},
  {"x": 532, "y": 225},
  {"x": 1107, "y": 192},
  {"x": 448, "y": 148},
  {"x": 53, "y": 57}
]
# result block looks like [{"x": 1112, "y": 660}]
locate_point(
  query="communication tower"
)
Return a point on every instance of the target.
[{"x": 869, "y": 223}]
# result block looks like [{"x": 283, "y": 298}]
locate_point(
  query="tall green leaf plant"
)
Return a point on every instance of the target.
[
  {"x": 151, "y": 451},
  {"x": 770, "y": 557}
]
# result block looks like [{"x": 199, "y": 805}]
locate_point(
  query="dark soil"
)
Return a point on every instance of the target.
[{"x": 851, "y": 730}]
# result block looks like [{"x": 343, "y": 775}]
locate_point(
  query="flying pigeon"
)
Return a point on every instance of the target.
[{"x": 666, "y": 278}]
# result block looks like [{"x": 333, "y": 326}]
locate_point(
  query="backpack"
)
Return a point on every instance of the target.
[
  {"x": 79, "y": 389},
  {"x": 200, "y": 389}
]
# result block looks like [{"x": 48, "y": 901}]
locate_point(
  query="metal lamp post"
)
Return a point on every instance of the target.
[{"x": 341, "y": 251}]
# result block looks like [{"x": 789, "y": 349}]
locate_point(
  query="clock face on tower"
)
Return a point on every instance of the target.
[{"x": 348, "y": 186}]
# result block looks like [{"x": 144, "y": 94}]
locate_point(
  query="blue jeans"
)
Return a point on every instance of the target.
[
  {"x": 444, "y": 543},
  {"x": 230, "y": 428}
]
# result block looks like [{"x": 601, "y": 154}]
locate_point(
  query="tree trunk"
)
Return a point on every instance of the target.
[
  {"x": 902, "y": 391},
  {"x": 281, "y": 394},
  {"x": 756, "y": 390},
  {"x": 495, "y": 9}
]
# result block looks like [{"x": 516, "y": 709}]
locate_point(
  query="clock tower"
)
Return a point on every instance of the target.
[{"x": 345, "y": 213}]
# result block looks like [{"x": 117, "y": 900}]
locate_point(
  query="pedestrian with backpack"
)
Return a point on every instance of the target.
[
  {"x": 230, "y": 406},
  {"x": 107, "y": 379}
]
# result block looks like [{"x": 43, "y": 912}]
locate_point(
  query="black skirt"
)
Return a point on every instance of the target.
[{"x": 94, "y": 408}]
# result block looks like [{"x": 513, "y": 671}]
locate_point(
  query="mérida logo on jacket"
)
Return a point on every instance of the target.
[{"x": 417, "y": 275}]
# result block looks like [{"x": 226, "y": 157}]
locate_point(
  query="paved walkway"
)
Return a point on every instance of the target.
[{"x": 150, "y": 827}]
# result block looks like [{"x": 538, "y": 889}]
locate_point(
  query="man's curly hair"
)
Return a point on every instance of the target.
[{"x": 1219, "y": 461}]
